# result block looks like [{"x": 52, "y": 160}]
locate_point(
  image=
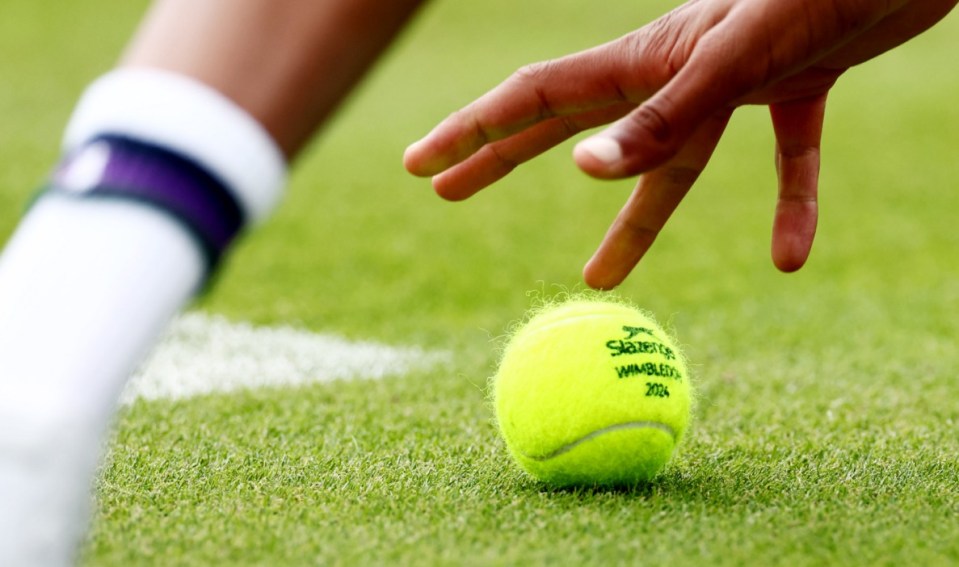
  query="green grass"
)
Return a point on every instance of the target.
[{"x": 826, "y": 431}]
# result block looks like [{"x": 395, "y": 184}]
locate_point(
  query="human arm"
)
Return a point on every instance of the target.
[{"x": 288, "y": 63}]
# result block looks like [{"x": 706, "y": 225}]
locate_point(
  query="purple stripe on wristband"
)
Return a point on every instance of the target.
[{"x": 119, "y": 167}]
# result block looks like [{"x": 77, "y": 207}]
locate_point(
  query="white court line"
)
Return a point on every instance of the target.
[{"x": 201, "y": 354}]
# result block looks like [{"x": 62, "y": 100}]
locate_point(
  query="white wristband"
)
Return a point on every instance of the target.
[{"x": 187, "y": 116}]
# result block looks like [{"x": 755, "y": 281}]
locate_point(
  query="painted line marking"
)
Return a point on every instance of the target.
[{"x": 202, "y": 354}]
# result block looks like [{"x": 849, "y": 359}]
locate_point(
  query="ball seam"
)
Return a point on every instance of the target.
[{"x": 594, "y": 434}]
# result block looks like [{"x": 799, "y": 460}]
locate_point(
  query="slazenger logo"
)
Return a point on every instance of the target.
[
  {"x": 637, "y": 341},
  {"x": 633, "y": 345}
]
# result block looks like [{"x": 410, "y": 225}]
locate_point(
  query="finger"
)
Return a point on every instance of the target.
[
  {"x": 798, "y": 129},
  {"x": 533, "y": 94},
  {"x": 718, "y": 71},
  {"x": 628, "y": 69},
  {"x": 656, "y": 196},
  {"x": 656, "y": 130},
  {"x": 495, "y": 160}
]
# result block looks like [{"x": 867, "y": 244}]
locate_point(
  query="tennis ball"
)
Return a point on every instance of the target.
[{"x": 592, "y": 392}]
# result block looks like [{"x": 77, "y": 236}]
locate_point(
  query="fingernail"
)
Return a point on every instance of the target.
[
  {"x": 410, "y": 160},
  {"x": 603, "y": 149},
  {"x": 411, "y": 149}
]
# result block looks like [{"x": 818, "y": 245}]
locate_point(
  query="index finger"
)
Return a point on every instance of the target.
[{"x": 606, "y": 75}]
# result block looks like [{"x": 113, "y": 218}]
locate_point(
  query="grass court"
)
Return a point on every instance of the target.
[{"x": 826, "y": 432}]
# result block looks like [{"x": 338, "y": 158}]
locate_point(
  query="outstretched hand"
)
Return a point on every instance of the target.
[{"x": 668, "y": 90}]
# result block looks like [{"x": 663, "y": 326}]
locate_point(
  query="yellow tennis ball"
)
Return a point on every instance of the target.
[{"x": 592, "y": 392}]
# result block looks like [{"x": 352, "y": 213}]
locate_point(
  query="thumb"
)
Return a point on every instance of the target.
[
  {"x": 725, "y": 62},
  {"x": 640, "y": 141},
  {"x": 655, "y": 131}
]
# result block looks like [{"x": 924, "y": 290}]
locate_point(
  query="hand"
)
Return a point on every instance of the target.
[{"x": 669, "y": 89}]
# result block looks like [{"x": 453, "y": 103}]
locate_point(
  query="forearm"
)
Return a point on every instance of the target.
[{"x": 288, "y": 63}]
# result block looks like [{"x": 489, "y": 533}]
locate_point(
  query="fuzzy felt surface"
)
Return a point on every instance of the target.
[{"x": 592, "y": 392}]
